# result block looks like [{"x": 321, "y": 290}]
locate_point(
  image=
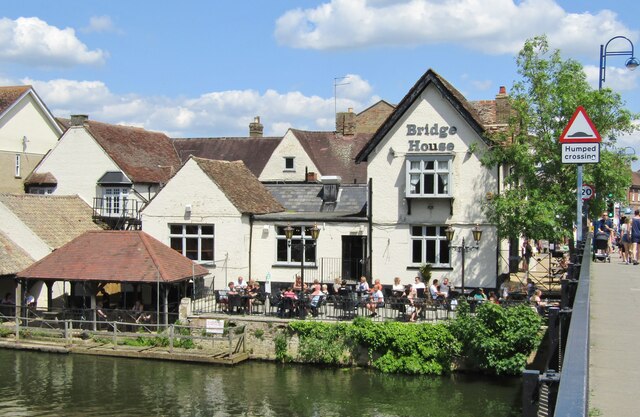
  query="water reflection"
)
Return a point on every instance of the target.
[{"x": 35, "y": 384}]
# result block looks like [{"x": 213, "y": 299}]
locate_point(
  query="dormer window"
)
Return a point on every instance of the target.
[{"x": 288, "y": 163}]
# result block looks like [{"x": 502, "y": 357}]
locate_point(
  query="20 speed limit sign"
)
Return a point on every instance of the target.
[{"x": 588, "y": 192}]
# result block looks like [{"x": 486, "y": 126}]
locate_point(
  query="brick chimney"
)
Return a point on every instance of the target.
[
  {"x": 346, "y": 123},
  {"x": 79, "y": 119},
  {"x": 503, "y": 108},
  {"x": 256, "y": 128}
]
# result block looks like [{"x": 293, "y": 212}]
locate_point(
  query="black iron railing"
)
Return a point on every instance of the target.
[{"x": 561, "y": 389}]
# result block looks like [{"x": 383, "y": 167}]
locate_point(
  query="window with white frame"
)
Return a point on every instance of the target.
[
  {"x": 195, "y": 241},
  {"x": 429, "y": 176},
  {"x": 289, "y": 163},
  {"x": 114, "y": 201},
  {"x": 17, "y": 166},
  {"x": 292, "y": 254},
  {"x": 429, "y": 245}
]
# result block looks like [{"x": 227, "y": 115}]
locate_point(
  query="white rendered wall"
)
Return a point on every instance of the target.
[
  {"x": 288, "y": 147},
  {"x": 470, "y": 184},
  {"x": 329, "y": 245},
  {"x": 209, "y": 205},
  {"x": 78, "y": 162},
  {"x": 27, "y": 118}
]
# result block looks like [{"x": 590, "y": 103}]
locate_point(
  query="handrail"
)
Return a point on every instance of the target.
[{"x": 573, "y": 392}]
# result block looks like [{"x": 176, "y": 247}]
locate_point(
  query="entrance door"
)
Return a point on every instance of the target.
[{"x": 353, "y": 256}]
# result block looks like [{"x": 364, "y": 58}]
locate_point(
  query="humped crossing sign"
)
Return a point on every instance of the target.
[{"x": 580, "y": 140}]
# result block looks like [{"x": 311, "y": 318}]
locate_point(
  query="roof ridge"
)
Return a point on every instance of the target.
[{"x": 156, "y": 261}]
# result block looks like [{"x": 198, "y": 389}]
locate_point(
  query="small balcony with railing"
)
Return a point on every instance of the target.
[{"x": 117, "y": 213}]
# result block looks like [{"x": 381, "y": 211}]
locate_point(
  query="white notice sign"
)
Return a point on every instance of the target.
[{"x": 580, "y": 153}]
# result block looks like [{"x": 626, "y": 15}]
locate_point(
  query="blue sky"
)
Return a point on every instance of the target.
[{"x": 206, "y": 68}]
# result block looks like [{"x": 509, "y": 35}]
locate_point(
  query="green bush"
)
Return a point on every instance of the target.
[
  {"x": 412, "y": 349},
  {"x": 497, "y": 340},
  {"x": 280, "y": 342},
  {"x": 324, "y": 343}
]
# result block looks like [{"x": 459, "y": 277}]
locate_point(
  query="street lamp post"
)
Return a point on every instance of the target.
[
  {"x": 631, "y": 63},
  {"x": 315, "y": 232},
  {"x": 463, "y": 248}
]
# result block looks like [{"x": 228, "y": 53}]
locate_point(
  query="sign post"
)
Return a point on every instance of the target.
[{"x": 580, "y": 145}]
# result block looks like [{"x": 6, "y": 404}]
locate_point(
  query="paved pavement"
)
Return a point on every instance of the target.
[{"x": 614, "y": 371}]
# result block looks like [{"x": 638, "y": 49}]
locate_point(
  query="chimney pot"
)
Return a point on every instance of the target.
[
  {"x": 503, "y": 90},
  {"x": 256, "y": 128}
]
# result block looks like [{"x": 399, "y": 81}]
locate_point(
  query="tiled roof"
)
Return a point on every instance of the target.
[
  {"x": 254, "y": 152},
  {"x": 635, "y": 178},
  {"x": 9, "y": 95},
  {"x": 45, "y": 178},
  {"x": 12, "y": 257},
  {"x": 308, "y": 198},
  {"x": 144, "y": 156},
  {"x": 55, "y": 219},
  {"x": 114, "y": 256},
  {"x": 449, "y": 93},
  {"x": 240, "y": 186},
  {"x": 334, "y": 154}
]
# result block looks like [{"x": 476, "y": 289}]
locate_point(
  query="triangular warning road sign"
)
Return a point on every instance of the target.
[{"x": 580, "y": 129}]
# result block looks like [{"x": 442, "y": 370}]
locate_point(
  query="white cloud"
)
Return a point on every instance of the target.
[
  {"x": 616, "y": 78},
  {"x": 489, "y": 26},
  {"x": 31, "y": 41},
  {"x": 100, "y": 24},
  {"x": 220, "y": 113}
]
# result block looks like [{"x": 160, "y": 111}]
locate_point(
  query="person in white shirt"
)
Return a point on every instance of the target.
[
  {"x": 418, "y": 284},
  {"x": 376, "y": 300},
  {"x": 363, "y": 285},
  {"x": 434, "y": 289},
  {"x": 240, "y": 284},
  {"x": 444, "y": 287},
  {"x": 397, "y": 288}
]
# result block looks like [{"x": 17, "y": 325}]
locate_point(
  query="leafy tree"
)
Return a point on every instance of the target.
[{"x": 540, "y": 196}]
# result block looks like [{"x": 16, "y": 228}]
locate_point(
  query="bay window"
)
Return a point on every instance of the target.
[{"x": 429, "y": 176}]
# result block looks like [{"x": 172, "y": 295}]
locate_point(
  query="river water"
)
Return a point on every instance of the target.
[{"x": 46, "y": 384}]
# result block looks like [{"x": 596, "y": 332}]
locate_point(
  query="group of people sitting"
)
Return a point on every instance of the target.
[{"x": 241, "y": 295}]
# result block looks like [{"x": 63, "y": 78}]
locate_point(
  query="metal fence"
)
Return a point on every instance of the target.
[{"x": 562, "y": 388}]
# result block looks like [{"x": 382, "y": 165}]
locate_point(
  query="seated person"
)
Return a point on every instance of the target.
[
  {"x": 315, "y": 298},
  {"x": 434, "y": 290},
  {"x": 252, "y": 294},
  {"x": 224, "y": 298},
  {"x": 99, "y": 311},
  {"x": 445, "y": 287},
  {"x": 138, "y": 311},
  {"x": 414, "y": 306},
  {"x": 505, "y": 289},
  {"x": 397, "y": 288},
  {"x": 418, "y": 284},
  {"x": 29, "y": 300},
  {"x": 480, "y": 296},
  {"x": 375, "y": 301},
  {"x": 324, "y": 289},
  {"x": 7, "y": 300},
  {"x": 298, "y": 285},
  {"x": 240, "y": 284},
  {"x": 363, "y": 285},
  {"x": 493, "y": 298},
  {"x": 536, "y": 301},
  {"x": 289, "y": 299}
]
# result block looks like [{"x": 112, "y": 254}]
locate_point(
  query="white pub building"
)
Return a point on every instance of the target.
[{"x": 426, "y": 176}]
